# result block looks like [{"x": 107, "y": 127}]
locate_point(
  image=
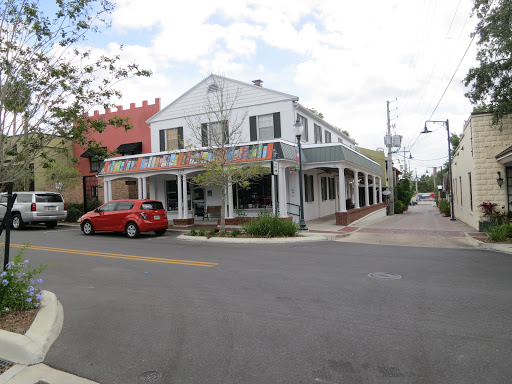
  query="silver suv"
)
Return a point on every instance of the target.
[{"x": 35, "y": 207}]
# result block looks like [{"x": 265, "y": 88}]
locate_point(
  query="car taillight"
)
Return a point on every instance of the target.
[
  {"x": 33, "y": 207},
  {"x": 143, "y": 215},
  {"x": 65, "y": 208}
]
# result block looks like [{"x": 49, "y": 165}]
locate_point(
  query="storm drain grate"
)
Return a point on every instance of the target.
[
  {"x": 5, "y": 365},
  {"x": 384, "y": 276}
]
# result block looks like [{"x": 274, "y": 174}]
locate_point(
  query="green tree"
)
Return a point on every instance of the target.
[
  {"x": 220, "y": 125},
  {"x": 491, "y": 81},
  {"x": 405, "y": 190},
  {"x": 48, "y": 81},
  {"x": 426, "y": 184},
  {"x": 454, "y": 141},
  {"x": 63, "y": 174},
  {"x": 314, "y": 111}
]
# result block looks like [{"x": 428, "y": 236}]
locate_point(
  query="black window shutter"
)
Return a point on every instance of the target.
[
  {"x": 254, "y": 133},
  {"x": 204, "y": 135},
  {"x": 277, "y": 125},
  {"x": 226, "y": 132},
  {"x": 312, "y": 187},
  {"x": 162, "y": 140},
  {"x": 181, "y": 143}
]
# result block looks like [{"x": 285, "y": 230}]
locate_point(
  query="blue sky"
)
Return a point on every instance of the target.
[{"x": 345, "y": 59}]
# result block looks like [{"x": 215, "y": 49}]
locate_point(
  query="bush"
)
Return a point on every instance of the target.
[
  {"x": 192, "y": 232},
  {"x": 399, "y": 207},
  {"x": 18, "y": 289},
  {"x": 75, "y": 210},
  {"x": 235, "y": 232},
  {"x": 202, "y": 232},
  {"x": 92, "y": 204},
  {"x": 444, "y": 206},
  {"x": 499, "y": 232},
  {"x": 211, "y": 233},
  {"x": 268, "y": 226}
]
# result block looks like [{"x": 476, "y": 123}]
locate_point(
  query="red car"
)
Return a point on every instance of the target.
[{"x": 130, "y": 216}]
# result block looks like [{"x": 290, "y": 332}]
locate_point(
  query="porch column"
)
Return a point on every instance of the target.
[
  {"x": 273, "y": 187},
  {"x": 374, "y": 190},
  {"x": 180, "y": 197},
  {"x": 144, "y": 188},
  {"x": 110, "y": 190},
  {"x": 106, "y": 185},
  {"x": 229, "y": 200},
  {"x": 139, "y": 186},
  {"x": 342, "y": 206},
  {"x": 366, "y": 190},
  {"x": 283, "y": 198},
  {"x": 185, "y": 200},
  {"x": 380, "y": 189},
  {"x": 355, "y": 186}
]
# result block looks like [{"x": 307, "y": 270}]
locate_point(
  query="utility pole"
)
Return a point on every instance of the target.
[
  {"x": 391, "y": 179},
  {"x": 416, "y": 171}
]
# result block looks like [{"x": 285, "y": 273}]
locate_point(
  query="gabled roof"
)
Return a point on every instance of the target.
[
  {"x": 306, "y": 111},
  {"x": 206, "y": 80}
]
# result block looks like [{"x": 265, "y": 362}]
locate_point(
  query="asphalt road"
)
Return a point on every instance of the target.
[{"x": 284, "y": 313}]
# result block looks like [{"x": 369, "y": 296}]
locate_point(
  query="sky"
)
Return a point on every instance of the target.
[{"x": 346, "y": 59}]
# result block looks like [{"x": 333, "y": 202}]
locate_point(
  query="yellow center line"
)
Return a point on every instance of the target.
[{"x": 117, "y": 255}]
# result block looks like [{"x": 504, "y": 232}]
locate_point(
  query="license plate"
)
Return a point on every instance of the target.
[
  {"x": 157, "y": 217},
  {"x": 51, "y": 208}
]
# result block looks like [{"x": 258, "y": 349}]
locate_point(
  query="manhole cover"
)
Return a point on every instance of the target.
[
  {"x": 384, "y": 276},
  {"x": 150, "y": 376}
]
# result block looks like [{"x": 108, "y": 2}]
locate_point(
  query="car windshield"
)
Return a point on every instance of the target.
[
  {"x": 151, "y": 205},
  {"x": 48, "y": 198}
]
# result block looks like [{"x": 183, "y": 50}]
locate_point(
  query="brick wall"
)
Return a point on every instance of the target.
[
  {"x": 346, "y": 218},
  {"x": 476, "y": 153}
]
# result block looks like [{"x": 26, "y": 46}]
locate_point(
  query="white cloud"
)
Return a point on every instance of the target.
[{"x": 343, "y": 58}]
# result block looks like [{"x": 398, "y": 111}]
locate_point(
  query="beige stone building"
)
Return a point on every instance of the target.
[{"x": 483, "y": 157}]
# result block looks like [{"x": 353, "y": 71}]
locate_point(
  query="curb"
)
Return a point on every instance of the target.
[
  {"x": 31, "y": 348},
  {"x": 502, "y": 248},
  {"x": 281, "y": 240}
]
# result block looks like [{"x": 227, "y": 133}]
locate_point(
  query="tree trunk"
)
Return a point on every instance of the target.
[{"x": 223, "y": 209}]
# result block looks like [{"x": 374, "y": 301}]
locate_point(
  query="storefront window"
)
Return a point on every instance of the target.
[
  {"x": 258, "y": 195},
  {"x": 172, "y": 196}
]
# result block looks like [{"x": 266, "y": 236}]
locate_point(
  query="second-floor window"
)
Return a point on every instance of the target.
[
  {"x": 215, "y": 133},
  {"x": 305, "y": 131},
  {"x": 327, "y": 136},
  {"x": 265, "y": 127},
  {"x": 171, "y": 139},
  {"x": 318, "y": 134}
]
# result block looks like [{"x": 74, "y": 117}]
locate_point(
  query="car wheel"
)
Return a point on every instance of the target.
[
  {"x": 50, "y": 224},
  {"x": 132, "y": 231},
  {"x": 17, "y": 222},
  {"x": 160, "y": 232},
  {"x": 87, "y": 228}
]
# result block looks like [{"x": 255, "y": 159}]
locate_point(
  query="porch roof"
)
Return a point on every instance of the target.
[{"x": 335, "y": 152}]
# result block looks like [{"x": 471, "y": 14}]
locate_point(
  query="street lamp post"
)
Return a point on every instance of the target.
[
  {"x": 298, "y": 134},
  {"x": 425, "y": 130}
]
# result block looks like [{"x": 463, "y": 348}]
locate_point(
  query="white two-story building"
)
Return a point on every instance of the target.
[{"x": 336, "y": 177}]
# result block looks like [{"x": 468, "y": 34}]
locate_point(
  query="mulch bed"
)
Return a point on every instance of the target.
[{"x": 18, "y": 321}]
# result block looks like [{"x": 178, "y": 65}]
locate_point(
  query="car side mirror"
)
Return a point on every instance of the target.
[{"x": 97, "y": 210}]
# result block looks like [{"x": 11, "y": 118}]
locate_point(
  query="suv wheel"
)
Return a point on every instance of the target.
[
  {"x": 132, "y": 231},
  {"x": 50, "y": 224},
  {"x": 87, "y": 228},
  {"x": 17, "y": 221}
]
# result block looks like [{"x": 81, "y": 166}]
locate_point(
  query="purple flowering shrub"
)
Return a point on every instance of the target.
[{"x": 18, "y": 287}]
